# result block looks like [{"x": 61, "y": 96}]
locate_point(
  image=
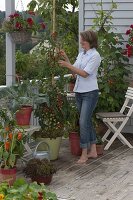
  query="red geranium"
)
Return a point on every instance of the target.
[
  {"x": 129, "y": 44},
  {"x": 31, "y": 12},
  {"x": 30, "y": 21},
  {"x": 16, "y": 14},
  {"x": 19, "y": 22},
  {"x": 128, "y": 32},
  {"x": 43, "y": 25},
  {"x": 18, "y": 25}
]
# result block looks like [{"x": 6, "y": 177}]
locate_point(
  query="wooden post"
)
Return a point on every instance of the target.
[
  {"x": 53, "y": 30},
  {"x": 10, "y": 48},
  {"x": 54, "y": 24}
]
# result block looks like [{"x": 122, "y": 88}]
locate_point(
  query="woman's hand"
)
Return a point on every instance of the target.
[
  {"x": 64, "y": 55},
  {"x": 63, "y": 63}
]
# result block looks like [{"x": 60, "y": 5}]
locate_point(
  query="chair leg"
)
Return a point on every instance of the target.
[
  {"x": 125, "y": 141},
  {"x": 104, "y": 138},
  {"x": 28, "y": 149},
  {"x": 111, "y": 140},
  {"x": 118, "y": 135}
]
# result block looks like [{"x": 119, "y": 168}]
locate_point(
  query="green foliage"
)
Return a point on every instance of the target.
[
  {"x": 21, "y": 94},
  {"x": 114, "y": 69},
  {"x": 98, "y": 139},
  {"x": 36, "y": 167},
  {"x": 53, "y": 115},
  {"x": 66, "y": 21},
  {"x": 27, "y": 65},
  {"x": 73, "y": 118},
  {"x": 23, "y": 190},
  {"x": 2, "y": 60},
  {"x": 12, "y": 139}
]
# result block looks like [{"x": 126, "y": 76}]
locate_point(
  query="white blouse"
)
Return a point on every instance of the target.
[{"x": 89, "y": 62}]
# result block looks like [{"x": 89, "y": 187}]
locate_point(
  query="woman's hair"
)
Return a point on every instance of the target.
[{"x": 90, "y": 37}]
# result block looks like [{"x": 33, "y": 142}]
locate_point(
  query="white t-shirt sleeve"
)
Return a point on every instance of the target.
[{"x": 93, "y": 64}]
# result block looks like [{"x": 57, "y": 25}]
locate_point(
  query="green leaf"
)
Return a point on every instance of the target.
[
  {"x": 5, "y": 155},
  {"x": 12, "y": 159},
  {"x": 1, "y": 152}
]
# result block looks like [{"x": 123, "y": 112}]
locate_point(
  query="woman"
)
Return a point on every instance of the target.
[{"x": 86, "y": 90}]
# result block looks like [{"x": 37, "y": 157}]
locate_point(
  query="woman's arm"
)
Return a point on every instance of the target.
[
  {"x": 73, "y": 69},
  {"x": 64, "y": 55}
]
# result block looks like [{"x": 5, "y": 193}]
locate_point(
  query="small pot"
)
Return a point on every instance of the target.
[
  {"x": 74, "y": 139},
  {"x": 23, "y": 116},
  {"x": 8, "y": 175},
  {"x": 100, "y": 149},
  {"x": 43, "y": 179}
]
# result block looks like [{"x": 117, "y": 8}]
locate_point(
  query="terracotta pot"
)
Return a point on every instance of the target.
[
  {"x": 74, "y": 139},
  {"x": 8, "y": 175},
  {"x": 43, "y": 179},
  {"x": 23, "y": 116},
  {"x": 100, "y": 149}
]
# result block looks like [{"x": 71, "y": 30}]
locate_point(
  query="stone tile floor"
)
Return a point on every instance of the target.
[{"x": 108, "y": 177}]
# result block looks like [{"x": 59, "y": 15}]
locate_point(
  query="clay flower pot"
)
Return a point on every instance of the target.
[
  {"x": 8, "y": 175},
  {"x": 43, "y": 179},
  {"x": 74, "y": 139}
]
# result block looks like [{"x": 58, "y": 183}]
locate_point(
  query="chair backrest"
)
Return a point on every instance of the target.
[
  {"x": 128, "y": 104},
  {"x": 129, "y": 93}
]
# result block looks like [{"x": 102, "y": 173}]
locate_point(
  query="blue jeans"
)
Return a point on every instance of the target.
[{"x": 86, "y": 103}]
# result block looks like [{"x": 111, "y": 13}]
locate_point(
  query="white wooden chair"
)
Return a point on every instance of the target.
[{"x": 116, "y": 121}]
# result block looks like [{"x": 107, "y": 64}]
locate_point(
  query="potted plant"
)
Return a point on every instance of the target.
[
  {"x": 99, "y": 145},
  {"x": 40, "y": 171},
  {"x": 52, "y": 116},
  {"x": 20, "y": 27},
  {"x": 21, "y": 98},
  {"x": 73, "y": 129},
  {"x": 23, "y": 190},
  {"x": 11, "y": 145}
]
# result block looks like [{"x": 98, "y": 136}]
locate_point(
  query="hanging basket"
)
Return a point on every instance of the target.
[{"x": 20, "y": 37}]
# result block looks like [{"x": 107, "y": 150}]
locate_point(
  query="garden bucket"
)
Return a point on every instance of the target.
[
  {"x": 41, "y": 154},
  {"x": 74, "y": 139},
  {"x": 54, "y": 145}
]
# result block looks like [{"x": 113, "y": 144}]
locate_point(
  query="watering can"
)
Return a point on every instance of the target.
[{"x": 43, "y": 153}]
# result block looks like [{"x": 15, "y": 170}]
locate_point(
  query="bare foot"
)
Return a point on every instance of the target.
[
  {"x": 92, "y": 155},
  {"x": 82, "y": 160}
]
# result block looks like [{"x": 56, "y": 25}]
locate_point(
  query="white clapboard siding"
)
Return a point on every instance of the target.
[
  {"x": 120, "y": 6},
  {"x": 122, "y": 16},
  {"x": 122, "y": 19}
]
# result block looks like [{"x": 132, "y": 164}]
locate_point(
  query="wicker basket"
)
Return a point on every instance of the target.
[{"x": 20, "y": 37}]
